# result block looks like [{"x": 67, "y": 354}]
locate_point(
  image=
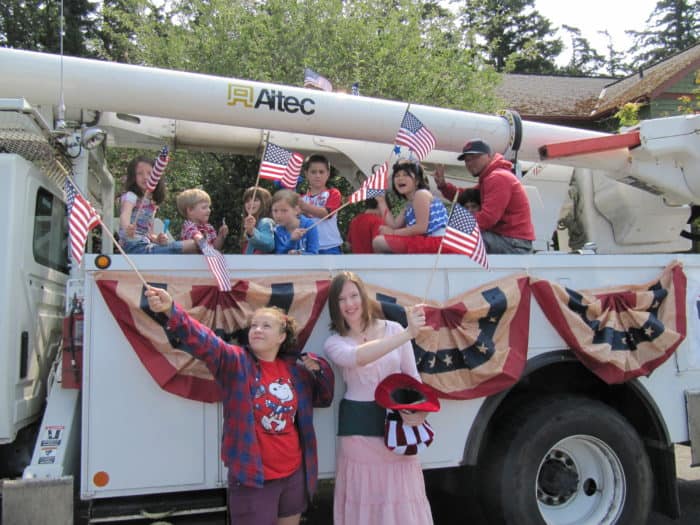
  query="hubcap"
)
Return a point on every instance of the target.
[{"x": 580, "y": 481}]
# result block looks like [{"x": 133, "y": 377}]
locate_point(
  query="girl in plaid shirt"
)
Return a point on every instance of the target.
[{"x": 268, "y": 442}]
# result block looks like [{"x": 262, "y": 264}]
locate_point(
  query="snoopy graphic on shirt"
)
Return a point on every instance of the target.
[{"x": 275, "y": 402}]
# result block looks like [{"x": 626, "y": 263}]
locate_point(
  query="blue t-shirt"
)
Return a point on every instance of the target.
[{"x": 307, "y": 245}]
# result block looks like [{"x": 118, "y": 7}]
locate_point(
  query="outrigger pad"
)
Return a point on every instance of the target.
[{"x": 20, "y": 497}]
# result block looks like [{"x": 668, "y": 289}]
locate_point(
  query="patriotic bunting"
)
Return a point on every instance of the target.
[
  {"x": 477, "y": 345},
  {"x": 620, "y": 332},
  {"x": 281, "y": 164},
  {"x": 478, "y": 342},
  {"x": 158, "y": 169},
  {"x": 415, "y": 136},
  {"x": 463, "y": 236},
  {"x": 82, "y": 218},
  {"x": 227, "y": 313}
]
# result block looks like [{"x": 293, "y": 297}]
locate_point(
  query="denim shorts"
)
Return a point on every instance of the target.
[
  {"x": 335, "y": 250},
  {"x": 278, "y": 498},
  {"x": 140, "y": 246}
]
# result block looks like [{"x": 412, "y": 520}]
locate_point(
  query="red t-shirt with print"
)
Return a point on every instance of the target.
[{"x": 274, "y": 410}]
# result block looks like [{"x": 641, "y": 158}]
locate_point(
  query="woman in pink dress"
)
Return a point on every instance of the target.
[{"x": 373, "y": 486}]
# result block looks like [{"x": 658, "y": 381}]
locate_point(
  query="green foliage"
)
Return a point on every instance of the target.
[
  {"x": 511, "y": 35},
  {"x": 34, "y": 25},
  {"x": 673, "y": 25},
  {"x": 584, "y": 59},
  {"x": 402, "y": 49},
  {"x": 628, "y": 115}
]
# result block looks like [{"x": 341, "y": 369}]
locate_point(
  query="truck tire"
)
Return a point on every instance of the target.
[{"x": 566, "y": 461}]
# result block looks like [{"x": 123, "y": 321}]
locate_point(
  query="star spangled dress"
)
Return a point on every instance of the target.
[{"x": 374, "y": 486}]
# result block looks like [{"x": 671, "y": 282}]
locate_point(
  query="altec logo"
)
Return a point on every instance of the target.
[{"x": 273, "y": 99}]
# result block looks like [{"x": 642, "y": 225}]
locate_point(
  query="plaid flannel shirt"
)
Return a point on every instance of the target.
[{"x": 237, "y": 372}]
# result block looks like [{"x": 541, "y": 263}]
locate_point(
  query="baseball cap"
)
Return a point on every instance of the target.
[{"x": 475, "y": 147}]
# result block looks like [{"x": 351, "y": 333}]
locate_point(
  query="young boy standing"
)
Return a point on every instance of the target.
[{"x": 319, "y": 201}]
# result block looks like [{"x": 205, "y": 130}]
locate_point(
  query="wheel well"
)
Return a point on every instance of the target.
[{"x": 560, "y": 372}]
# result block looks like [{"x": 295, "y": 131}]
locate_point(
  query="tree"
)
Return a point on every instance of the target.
[
  {"x": 673, "y": 25},
  {"x": 614, "y": 62},
  {"x": 400, "y": 49},
  {"x": 35, "y": 25},
  {"x": 511, "y": 35},
  {"x": 584, "y": 59}
]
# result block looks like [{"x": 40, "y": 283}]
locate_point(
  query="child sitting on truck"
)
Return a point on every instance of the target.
[
  {"x": 319, "y": 201},
  {"x": 258, "y": 228},
  {"x": 294, "y": 233},
  {"x": 195, "y": 206},
  {"x": 421, "y": 224},
  {"x": 137, "y": 212}
]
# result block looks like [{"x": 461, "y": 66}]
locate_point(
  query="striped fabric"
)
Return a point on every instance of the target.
[{"x": 403, "y": 439}]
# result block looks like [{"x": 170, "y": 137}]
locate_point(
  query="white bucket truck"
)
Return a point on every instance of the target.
[{"x": 558, "y": 446}]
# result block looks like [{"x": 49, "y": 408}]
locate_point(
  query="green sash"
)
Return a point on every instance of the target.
[{"x": 361, "y": 418}]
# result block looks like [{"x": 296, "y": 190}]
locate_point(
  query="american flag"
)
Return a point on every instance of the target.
[
  {"x": 415, "y": 136},
  {"x": 217, "y": 266},
  {"x": 281, "y": 164},
  {"x": 314, "y": 80},
  {"x": 82, "y": 218},
  {"x": 463, "y": 235},
  {"x": 374, "y": 186},
  {"x": 158, "y": 169}
]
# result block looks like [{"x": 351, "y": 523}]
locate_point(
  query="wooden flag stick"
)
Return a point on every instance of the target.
[
  {"x": 328, "y": 216},
  {"x": 257, "y": 178},
  {"x": 437, "y": 256}
]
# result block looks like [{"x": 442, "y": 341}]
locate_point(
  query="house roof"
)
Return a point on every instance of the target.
[
  {"x": 550, "y": 97},
  {"x": 650, "y": 83}
]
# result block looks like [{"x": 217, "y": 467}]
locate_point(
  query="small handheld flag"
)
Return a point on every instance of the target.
[
  {"x": 217, "y": 266},
  {"x": 415, "y": 136},
  {"x": 282, "y": 165},
  {"x": 373, "y": 187},
  {"x": 314, "y": 80},
  {"x": 82, "y": 218},
  {"x": 464, "y": 236},
  {"x": 158, "y": 168}
]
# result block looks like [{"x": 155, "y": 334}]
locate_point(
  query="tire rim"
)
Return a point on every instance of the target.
[{"x": 580, "y": 481}]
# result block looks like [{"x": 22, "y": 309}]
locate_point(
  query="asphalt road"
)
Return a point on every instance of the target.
[{"x": 447, "y": 511}]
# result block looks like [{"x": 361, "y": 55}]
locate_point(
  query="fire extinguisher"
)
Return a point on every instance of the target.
[{"x": 73, "y": 342}]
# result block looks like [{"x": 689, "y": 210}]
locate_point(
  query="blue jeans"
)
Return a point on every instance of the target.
[
  {"x": 335, "y": 250},
  {"x": 495, "y": 243},
  {"x": 139, "y": 246}
]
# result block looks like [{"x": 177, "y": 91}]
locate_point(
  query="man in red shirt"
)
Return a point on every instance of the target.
[{"x": 504, "y": 219}]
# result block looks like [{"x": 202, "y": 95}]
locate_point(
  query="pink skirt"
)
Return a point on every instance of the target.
[{"x": 374, "y": 486}]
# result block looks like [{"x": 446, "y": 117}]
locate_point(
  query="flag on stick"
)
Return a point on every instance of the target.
[
  {"x": 463, "y": 235},
  {"x": 82, "y": 218},
  {"x": 281, "y": 164},
  {"x": 314, "y": 80},
  {"x": 217, "y": 266},
  {"x": 415, "y": 136},
  {"x": 374, "y": 186},
  {"x": 158, "y": 169}
]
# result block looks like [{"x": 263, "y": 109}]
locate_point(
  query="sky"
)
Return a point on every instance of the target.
[{"x": 591, "y": 16}]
